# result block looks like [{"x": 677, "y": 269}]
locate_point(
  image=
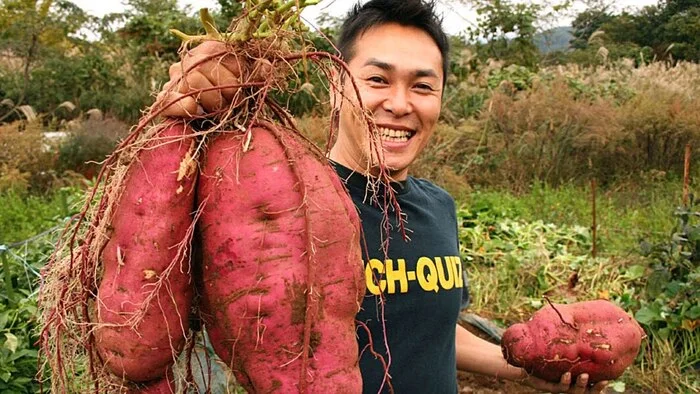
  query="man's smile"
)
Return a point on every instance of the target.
[{"x": 395, "y": 133}]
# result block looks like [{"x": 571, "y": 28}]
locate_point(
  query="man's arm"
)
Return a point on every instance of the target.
[{"x": 479, "y": 356}]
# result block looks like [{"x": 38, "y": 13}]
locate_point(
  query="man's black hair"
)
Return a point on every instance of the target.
[{"x": 414, "y": 13}]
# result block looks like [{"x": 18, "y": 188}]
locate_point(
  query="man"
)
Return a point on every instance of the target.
[{"x": 397, "y": 53}]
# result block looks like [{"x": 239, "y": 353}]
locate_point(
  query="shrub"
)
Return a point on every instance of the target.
[
  {"x": 26, "y": 160},
  {"x": 88, "y": 145},
  {"x": 578, "y": 124}
]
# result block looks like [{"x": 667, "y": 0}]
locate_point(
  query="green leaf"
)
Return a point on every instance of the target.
[
  {"x": 21, "y": 380},
  {"x": 537, "y": 304},
  {"x": 648, "y": 314},
  {"x": 24, "y": 353},
  {"x": 693, "y": 313},
  {"x": 11, "y": 342},
  {"x": 4, "y": 316},
  {"x": 694, "y": 234},
  {"x": 618, "y": 387},
  {"x": 634, "y": 272}
]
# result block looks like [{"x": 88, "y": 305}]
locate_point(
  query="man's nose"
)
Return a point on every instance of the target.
[{"x": 398, "y": 102}]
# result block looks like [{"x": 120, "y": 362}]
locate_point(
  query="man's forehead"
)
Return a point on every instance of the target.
[{"x": 394, "y": 45}]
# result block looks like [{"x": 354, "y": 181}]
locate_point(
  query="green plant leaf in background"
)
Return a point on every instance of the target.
[
  {"x": 634, "y": 272},
  {"x": 649, "y": 314},
  {"x": 618, "y": 387},
  {"x": 11, "y": 342}
]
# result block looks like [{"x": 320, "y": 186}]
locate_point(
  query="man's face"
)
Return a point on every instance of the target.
[{"x": 398, "y": 70}]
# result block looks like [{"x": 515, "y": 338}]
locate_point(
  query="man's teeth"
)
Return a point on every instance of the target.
[{"x": 394, "y": 135}]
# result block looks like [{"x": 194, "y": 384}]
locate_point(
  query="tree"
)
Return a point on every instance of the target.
[
  {"x": 506, "y": 30},
  {"x": 229, "y": 9},
  {"x": 586, "y": 23},
  {"x": 670, "y": 29},
  {"x": 33, "y": 31}
]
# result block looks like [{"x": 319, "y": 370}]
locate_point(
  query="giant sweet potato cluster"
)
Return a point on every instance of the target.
[{"x": 233, "y": 219}]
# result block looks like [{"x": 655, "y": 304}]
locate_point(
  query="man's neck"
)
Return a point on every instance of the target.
[{"x": 363, "y": 167}]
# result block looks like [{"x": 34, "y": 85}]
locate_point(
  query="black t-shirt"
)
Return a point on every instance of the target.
[{"x": 421, "y": 281}]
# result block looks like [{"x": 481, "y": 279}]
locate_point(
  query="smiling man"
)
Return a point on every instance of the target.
[
  {"x": 397, "y": 52},
  {"x": 408, "y": 334},
  {"x": 400, "y": 82}
]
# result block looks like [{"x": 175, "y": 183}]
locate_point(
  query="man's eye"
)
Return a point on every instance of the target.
[
  {"x": 376, "y": 79},
  {"x": 424, "y": 86}
]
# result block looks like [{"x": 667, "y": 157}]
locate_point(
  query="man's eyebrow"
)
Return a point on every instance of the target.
[
  {"x": 380, "y": 64},
  {"x": 425, "y": 73},
  {"x": 421, "y": 73}
]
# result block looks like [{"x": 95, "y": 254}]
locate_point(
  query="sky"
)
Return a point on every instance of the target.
[{"x": 455, "y": 17}]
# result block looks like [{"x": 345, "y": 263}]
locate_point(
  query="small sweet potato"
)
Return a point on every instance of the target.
[
  {"x": 282, "y": 267},
  {"x": 145, "y": 293},
  {"x": 593, "y": 337}
]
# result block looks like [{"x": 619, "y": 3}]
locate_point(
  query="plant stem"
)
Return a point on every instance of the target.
[
  {"x": 8, "y": 277},
  {"x": 686, "y": 175},
  {"x": 209, "y": 24}
]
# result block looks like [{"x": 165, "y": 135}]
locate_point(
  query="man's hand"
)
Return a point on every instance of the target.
[
  {"x": 205, "y": 66},
  {"x": 565, "y": 386}
]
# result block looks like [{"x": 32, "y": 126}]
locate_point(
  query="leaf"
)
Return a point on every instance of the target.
[
  {"x": 4, "y": 316},
  {"x": 657, "y": 281},
  {"x": 634, "y": 272},
  {"x": 648, "y": 314},
  {"x": 694, "y": 234},
  {"x": 693, "y": 313},
  {"x": 11, "y": 342},
  {"x": 618, "y": 387},
  {"x": 21, "y": 381},
  {"x": 67, "y": 105},
  {"x": 24, "y": 353},
  {"x": 690, "y": 325}
]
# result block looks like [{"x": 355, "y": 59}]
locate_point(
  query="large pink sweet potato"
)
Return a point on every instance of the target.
[
  {"x": 144, "y": 296},
  {"x": 593, "y": 337},
  {"x": 282, "y": 264}
]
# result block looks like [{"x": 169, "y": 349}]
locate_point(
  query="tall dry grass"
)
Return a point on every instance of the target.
[
  {"x": 574, "y": 124},
  {"x": 25, "y": 157}
]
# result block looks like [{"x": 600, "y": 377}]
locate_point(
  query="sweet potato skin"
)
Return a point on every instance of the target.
[
  {"x": 152, "y": 218},
  {"x": 264, "y": 234},
  {"x": 600, "y": 339}
]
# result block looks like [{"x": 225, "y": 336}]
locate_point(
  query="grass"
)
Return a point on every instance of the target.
[
  {"x": 626, "y": 213},
  {"x": 24, "y": 215}
]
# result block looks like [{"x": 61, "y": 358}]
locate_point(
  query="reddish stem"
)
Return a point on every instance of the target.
[{"x": 574, "y": 326}]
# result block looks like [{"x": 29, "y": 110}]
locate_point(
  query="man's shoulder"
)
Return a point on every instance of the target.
[{"x": 431, "y": 189}]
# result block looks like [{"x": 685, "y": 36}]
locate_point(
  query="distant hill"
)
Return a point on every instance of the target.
[{"x": 556, "y": 39}]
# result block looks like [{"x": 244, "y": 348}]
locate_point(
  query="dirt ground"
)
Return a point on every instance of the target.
[{"x": 478, "y": 384}]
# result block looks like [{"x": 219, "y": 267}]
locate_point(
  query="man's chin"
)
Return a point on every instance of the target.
[{"x": 396, "y": 171}]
